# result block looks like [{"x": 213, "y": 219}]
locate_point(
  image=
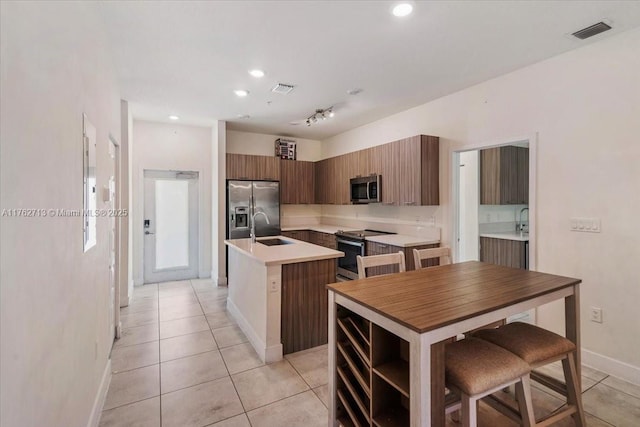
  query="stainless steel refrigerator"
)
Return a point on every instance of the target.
[{"x": 244, "y": 199}]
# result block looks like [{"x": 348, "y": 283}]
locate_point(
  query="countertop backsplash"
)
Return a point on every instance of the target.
[{"x": 407, "y": 220}]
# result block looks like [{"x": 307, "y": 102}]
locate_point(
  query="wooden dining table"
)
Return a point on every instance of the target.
[{"x": 428, "y": 307}]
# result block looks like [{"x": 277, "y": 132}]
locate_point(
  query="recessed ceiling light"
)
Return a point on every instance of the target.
[
  {"x": 402, "y": 9},
  {"x": 174, "y": 117},
  {"x": 256, "y": 73},
  {"x": 241, "y": 93}
]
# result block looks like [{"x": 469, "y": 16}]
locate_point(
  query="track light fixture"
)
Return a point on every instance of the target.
[{"x": 320, "y": 114}]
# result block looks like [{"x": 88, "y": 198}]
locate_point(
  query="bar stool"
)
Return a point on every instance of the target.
[
  {"x": 365, "y": 262},
  {"x": 539, "y": 347},
  {"x": 475, "y": 368}
]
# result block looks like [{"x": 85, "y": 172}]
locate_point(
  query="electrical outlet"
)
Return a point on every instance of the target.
[{"x": 596, "y": 314}]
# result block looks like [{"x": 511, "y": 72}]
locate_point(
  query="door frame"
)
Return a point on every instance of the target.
[
  {"x": 117, "y": 205},
  {"x": 193, "y": 234},
  {"x": 454, "y": 157}
]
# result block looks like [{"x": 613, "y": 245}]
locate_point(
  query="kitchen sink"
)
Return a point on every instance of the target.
[{"x": 274, "y": 242}]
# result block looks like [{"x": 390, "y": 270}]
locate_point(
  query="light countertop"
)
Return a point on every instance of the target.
[
  {"x": 295, "y": 252},
  {"x": 402, "y": 240},
  {"x": 322, "y": 228},
  {"x": 507, "y": 235}
]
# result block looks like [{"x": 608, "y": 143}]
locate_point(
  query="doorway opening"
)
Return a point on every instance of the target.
[
  {"x": 494, "y": 204},
  {"x": 170, "y": 225}
]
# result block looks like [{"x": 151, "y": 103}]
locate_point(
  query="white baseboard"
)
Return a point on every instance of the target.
[
  {"x": 101, "y": 396},
  {"x": 221, "y": 281},
  {"x": 267, "y": 354},
  {"x": 610, "y": 366}
]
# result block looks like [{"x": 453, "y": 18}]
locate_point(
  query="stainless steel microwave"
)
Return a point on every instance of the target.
[{"x": 365, "y": 189}]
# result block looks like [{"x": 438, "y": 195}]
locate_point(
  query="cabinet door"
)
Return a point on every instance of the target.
[
  {"x": 430, "y": 170},
  {"x": 407, "y": 157},
  {"x": 237, "y": 166},
  {"x": 321, "y": 181},
  {"x": 266, "y": 167},
  {"x": 331, "y": 182},
  {"x": 514, "y": 175},
  {"x": 288, "y": 182},
  {"x": 522, "y": 159},
  {"x": 296, "y": 182},
  {"x": 508, "y": 253},
  {"x": 347, "y": 167},
  {"x": 508, "y": 175},
  {"x": 490, "y": 176},
  {"x": 241, "y": 166},
  {"x": 365, "y": 166},
  {"x": 383, "y": 160},
  {"x": 306, "y": 173}
]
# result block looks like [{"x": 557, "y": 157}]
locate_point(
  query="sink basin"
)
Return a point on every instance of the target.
[{"x": 274, "y": 242}]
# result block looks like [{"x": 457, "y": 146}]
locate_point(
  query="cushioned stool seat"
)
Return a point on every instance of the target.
[
  {"x": 530, "y": 343},
  {"x": 539, "y": 347},
  {"x": 475, "y": 368}
]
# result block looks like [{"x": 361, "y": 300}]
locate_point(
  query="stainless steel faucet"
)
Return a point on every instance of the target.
[
  {"x": 520, "y": 225},
  {"x": 253, "y": 224}
]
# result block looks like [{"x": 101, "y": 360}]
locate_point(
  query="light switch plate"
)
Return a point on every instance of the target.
[{"x": 587, "y": 225}]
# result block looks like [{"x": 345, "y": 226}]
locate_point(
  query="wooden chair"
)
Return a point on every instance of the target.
[
  {"x": 365, "y": 262},
  {"x": 475, "y": 369},
  {"x": 539, "y": 347},
  {"x": 443, "y": 254}
]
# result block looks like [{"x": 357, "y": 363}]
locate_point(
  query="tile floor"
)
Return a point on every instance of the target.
[{"x": 182, "y": 361}]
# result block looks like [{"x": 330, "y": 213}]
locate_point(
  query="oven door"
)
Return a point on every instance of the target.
[{"x": 348, "y": 265}]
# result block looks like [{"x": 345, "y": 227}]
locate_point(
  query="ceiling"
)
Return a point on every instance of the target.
[{"x": 186, "y": 58}]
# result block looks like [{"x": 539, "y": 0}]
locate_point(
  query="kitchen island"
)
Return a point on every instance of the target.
[
  {"x": 277, "y": 293},
  {"x": 387, "y": 335}
]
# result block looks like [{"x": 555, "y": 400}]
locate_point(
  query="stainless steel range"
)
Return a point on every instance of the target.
[{"x": 352, "y": 243}]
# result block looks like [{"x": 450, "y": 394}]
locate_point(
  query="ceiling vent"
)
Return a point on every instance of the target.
[
  {"x": 591, "y": 31},
  {"x": 282, "y": 88}
]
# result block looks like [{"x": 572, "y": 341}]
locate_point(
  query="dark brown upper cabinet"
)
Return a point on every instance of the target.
[
  {"x": 243, "y": 166},
  {"x": 297, "y": 182},
  {"x": 504, "y": 176}
]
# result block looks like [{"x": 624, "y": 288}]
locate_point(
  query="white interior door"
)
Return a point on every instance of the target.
[{"x": 170, "y": 226}]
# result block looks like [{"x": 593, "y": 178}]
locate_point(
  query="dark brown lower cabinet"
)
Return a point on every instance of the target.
[
  {"x": 314, "y": 237},
  {"x": 305, "y": 304},
  {"x": 508, "y": 253},
  {"x": 374, "y": 248}
]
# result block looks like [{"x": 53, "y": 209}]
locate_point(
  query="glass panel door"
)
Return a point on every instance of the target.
[{"x": 170, "y": 226}]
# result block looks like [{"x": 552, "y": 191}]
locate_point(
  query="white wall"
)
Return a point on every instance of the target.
[
  {"x": 264, "y": 145},
  {"x": 163, "y": 146},
  {"x": 54, "y": 302},
  {"x": 585, "y": 106}
]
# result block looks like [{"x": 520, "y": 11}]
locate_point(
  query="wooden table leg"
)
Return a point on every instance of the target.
[
  {"x": 572, "y": 326},
  {"x": 437, "y": 383}
]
